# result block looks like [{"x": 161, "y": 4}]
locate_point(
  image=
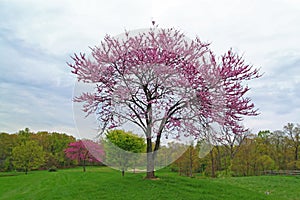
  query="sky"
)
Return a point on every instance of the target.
[{"x": 37, "y": 38}]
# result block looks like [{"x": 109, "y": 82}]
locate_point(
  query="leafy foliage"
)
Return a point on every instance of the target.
[
  {"x": 7, "y": 143},
  {"x": 53, "y": 145},
  {"x": 249, "y": 155},
  {"x": 189, "y": 161},
  {"x": 29, "y": 155},
  {"x": 85, "y": 151},
  {"x": 122, "y": 149}
]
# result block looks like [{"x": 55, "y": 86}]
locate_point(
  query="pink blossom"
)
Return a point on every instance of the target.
[
  {"x": 85, "y": 150},
  {"x": 164, "y": 83}
]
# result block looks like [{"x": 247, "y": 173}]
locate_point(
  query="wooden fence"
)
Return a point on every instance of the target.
[{"x": 282, "y": 172}]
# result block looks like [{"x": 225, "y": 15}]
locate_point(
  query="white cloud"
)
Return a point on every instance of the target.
[
  {"x": 37, "y": 38},
  {"x": 29, "y": 106}
]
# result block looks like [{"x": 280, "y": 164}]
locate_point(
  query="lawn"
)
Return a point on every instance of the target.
[{"x": 105, "y": 183}]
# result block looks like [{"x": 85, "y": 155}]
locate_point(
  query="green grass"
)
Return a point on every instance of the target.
[{"x": 105, "y": 183}]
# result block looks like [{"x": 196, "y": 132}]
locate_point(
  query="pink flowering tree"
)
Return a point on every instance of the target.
[
  {"x": 165, "y": 84},
  {"x": 83, "y": 151}
]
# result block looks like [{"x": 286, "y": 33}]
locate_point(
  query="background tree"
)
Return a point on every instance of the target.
[
  {"x": 57, "y": 143},
  {"x": 54, "y": 145},
  {"x": 243, "y": 163},
  {"x": 24, "y": 135},
  {"x": 122, "y": 149},
  {"x": 189, "y": 161},
  {"x": 7, "y": 143},
  {"x": 164, "y": 83},
  {"x": 293, "y": 132},
  {"x": 43, "y": 138},
  {"x": 232, "y": 143},
  {"x": 277, "y": 143},
  {"x": 85, "y": 151},
  {"x": 265, "y": 162},
  {"x": 169, "y": 153},
  {"x": 28, "y": 155}
]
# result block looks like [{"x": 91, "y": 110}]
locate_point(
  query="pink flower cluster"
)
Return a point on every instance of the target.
[
  {"x": 165, "y": 83},
  {"x": 85, "y": 150}
]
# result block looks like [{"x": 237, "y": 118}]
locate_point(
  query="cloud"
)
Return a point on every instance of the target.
[
  {"x": 29, "y": 106},
  {"x": 25, "y": 63},
  {"x": 35, "y": 87},
  {"x": 38, "y": 37},
  {"x": 277, "y": 93},
  {"x": 64, "y": 26}
]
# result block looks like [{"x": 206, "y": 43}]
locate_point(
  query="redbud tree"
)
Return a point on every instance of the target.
[
  {"x": 85, "y": 151},
  {"x": 165, "y": 84}
]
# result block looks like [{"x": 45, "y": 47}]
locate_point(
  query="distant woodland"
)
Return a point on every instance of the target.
[{"x": 239, "y": 155}]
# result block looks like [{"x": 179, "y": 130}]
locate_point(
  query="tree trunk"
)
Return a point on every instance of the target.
[
  {"x": 150, "y": 160},
  {"x": 213, "y": 175},
  {"x": 150, "y": 175},
  {"x": 123, "y": 172},
  {"x": 150, "y": 166},
  {"x": 151, "y": 153},
  {"x": 218, "y": 159},
  {"x": 296, "y": 152},
  {"x": 296, "y": 157},
  {"x": 191, "y": 161},
  {"x": 83, "y": 165}
]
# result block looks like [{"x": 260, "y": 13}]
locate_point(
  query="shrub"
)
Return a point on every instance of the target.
[{"x": 52, "y": 169}]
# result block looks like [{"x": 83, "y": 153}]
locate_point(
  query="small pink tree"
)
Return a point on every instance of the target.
[
  {"x": 85, "y": 150},
  {"x": 164, "y": 84}
]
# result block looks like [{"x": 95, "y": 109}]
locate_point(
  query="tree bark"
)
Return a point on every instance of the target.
[
  {"x": 84, "y": 165},
  {"x": 296, "y": 157},
  {"x": 213, "y": 175},
  {"x": 150, "y": 160},
  {"x": 191, "y": 161},
  {"x": 150, "y": 175},
  {"x": 296, "y": 152},
  {"x": 150, "y": 166}
]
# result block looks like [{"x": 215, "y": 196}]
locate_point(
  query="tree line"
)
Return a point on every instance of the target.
[
  {"x": 26, "y": 150},
  {"x": 245, "y": 155},
  {"x": 29, "y": 150},
  {"x": 235, "y": 155}
]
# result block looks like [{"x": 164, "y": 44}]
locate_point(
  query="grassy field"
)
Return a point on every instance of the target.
[{"x": 105, "y": 183}]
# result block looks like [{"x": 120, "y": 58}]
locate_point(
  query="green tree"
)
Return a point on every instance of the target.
[
  {"x": 169, "y": 153},
  {"x": 278, "y": 145},
  {"x": 293, "y": 132},
  {"x": 27, "y": 156},
  {"x": 55, "y": 144},
  {"x": 7, "y": 142},
  {"x": 231, "y": 144},
  {"x": 189, "y": 161},
  {"x": 265, "y": 162},
  {"x": 24, "y": 135},
  {"x": 122, "y": 149},
  {"x": 243, "y": 162}
]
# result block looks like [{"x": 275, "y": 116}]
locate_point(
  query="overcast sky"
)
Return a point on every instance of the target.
[{"x": 38, "y": 37}]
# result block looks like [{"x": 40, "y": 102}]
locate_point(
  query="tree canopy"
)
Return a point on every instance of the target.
[
  {"x": 123, "y": 148},
  {"x": 165, "y": 84},
  {"x": 28, "y": 155},
  {"x": 52, "y": 143},
  {"x": 83, "y": 151}
]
